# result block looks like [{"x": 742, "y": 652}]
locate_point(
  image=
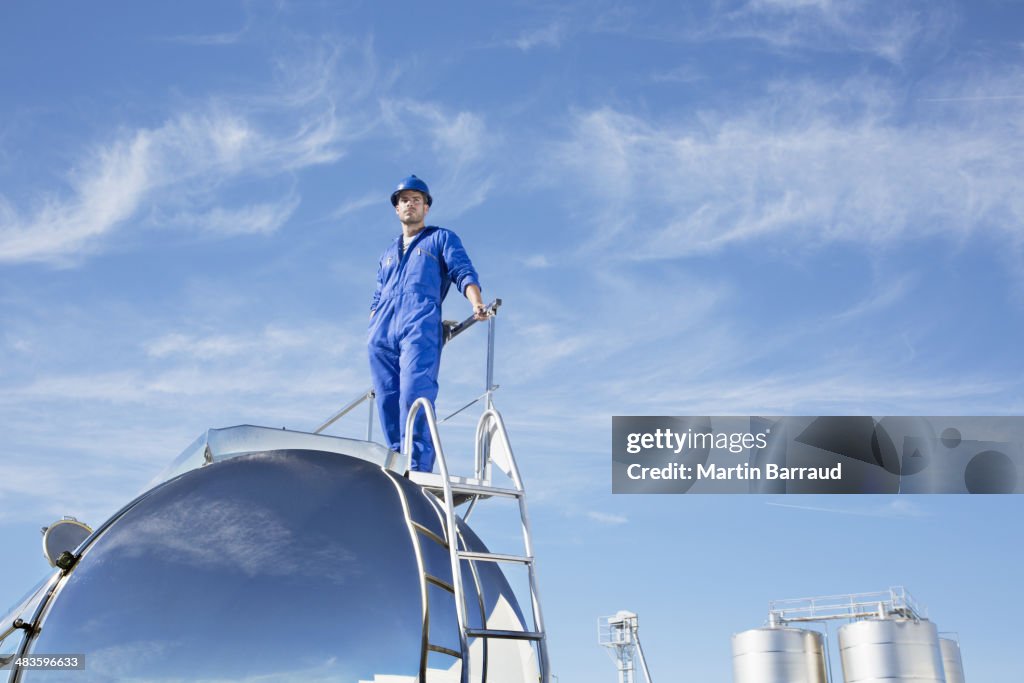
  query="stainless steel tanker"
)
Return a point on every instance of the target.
[{"x": 275, "y": 555}]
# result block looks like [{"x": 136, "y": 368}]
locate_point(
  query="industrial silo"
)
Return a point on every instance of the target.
[
  {"x": 778, "y": 655},
  {"x": 952, "y": 664},
  {"x": 891, "y": 650}
]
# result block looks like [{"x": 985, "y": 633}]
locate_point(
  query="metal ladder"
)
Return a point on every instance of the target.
[{"x": 452, "y": 491}]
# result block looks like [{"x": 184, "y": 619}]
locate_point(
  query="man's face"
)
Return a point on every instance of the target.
[{"x": 412, "y": 207}]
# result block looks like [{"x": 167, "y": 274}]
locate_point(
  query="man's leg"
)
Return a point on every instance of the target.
[
  {"x": 384, "y": 369},
  {"x": 420, "y": 361}
]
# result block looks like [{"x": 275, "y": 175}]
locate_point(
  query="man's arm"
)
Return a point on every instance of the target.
[
  {"x": 379, "y": 286},
  {"x": 473, "y": 294},
  {"x": 462, "y": 272}
]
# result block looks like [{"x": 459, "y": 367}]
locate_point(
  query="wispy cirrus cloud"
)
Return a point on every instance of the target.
[
  {"x": 180, "y": 168},
  {"x": 275, "y": 372},
  {"x": 356, "y": 205},
  {"x": 889, "y": 509},
  {"x": 548, "y": 35},
  {"x": 811, "y": 162},
  {"x": 684, "y": 73},
  {"x": 607, "y": 518},
  {"x": 271, "y": 339},
  {"x": 886, "y": 30},
  {"x": 845, "y": 387},
  {"x": 218, "y": 38},
  {"x": 461, "y": 140},
  {"x": 886, "y": 295},
  {"x": 149, "y": 167},
  {"x": 211, "y": 39},
  {"x": 262, "y": 218}
]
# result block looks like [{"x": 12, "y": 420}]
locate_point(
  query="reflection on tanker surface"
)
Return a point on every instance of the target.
[{"x": 270, "y": 555}]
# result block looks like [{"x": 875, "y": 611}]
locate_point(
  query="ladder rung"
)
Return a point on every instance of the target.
[
  {"x": 440, "y": 583},
  {"x": 494, "y": 557},
  {"x": 466, "y": 485},
  {"x": 444, "y": 650},
  {"x": 431, "y": 535},
  {"x": 496, "y": 633},
  {"x": 480, "y": 490}
]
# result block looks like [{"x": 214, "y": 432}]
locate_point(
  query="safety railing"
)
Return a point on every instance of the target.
[
  {"x": 451, "y": 330},
  {"x": 894, "y": 602}
]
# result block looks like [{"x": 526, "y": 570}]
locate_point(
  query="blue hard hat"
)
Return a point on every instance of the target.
[{"x": 412, "y": 183}]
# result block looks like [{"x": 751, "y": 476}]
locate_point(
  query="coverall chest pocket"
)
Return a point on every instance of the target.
[
  {"x": 430, "y": 267},
  {"x": 420, "y": 251}
]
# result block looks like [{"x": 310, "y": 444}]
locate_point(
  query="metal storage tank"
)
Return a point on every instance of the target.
[
  {"x": 284, "y": 565},
  {"x": 891, "y": 650},
  {"x": 778, "y": 655},
  {"x": 952, "y": 664}
]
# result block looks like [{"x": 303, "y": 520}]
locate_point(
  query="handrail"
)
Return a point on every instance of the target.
[
  {"x": 483, "y": 459},
  {"x": 896, "y": 600},
  {"x": 455, "y": 329},
  {"x": 418, "y": 553},
  {"x": 424, "y": 404},
  {"x": 449, "y": 332},
  {"x": 367, "y": 395}
]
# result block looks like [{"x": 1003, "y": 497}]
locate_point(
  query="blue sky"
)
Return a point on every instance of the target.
[{"x": 733, "y": 207}]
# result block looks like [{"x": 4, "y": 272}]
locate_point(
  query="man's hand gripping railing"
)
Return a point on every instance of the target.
[{"x": 451, "y": 330}]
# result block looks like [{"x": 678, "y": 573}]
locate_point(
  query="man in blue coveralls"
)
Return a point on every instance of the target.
[{"x": 413, "y": 278}]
